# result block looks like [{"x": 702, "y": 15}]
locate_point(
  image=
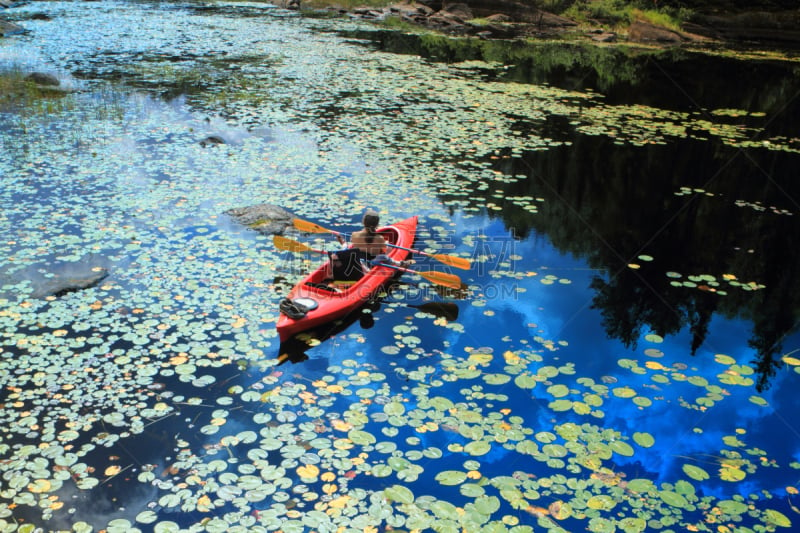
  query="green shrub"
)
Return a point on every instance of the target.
[
  {"x": 657, "y": 18},
  {"x": 611, "y": 12}
]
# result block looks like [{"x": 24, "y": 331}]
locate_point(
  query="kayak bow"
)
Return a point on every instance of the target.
[{"x": 326, "y": 303}]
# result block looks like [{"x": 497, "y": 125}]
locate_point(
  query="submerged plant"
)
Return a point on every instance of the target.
[{"x": 18, "y": 90}]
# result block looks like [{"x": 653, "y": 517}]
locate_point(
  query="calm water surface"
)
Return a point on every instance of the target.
[{"x": 623, "y": 357}]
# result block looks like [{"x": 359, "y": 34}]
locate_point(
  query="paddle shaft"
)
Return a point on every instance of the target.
[
  {"x": 458, "y": 262},
  {"x": 448, "y": 280}
]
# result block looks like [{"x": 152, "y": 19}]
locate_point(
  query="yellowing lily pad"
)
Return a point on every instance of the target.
[
  {"x": 776, "y": 518},
  {"x": 731, "y": 473},
  {"x": 624, "y": 392},
  {"x": 39, "y": 486},
  {"x": 601, "y": 502}
]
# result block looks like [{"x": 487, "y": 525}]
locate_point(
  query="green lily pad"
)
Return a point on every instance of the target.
[
  {"x": 695, "y": 472},
  {"x": 526, "y": 381},
  {"x": 645, "y": 440},
  {"x": 477, "y": 448},
  {"x": 622, "y": 448},
  {"x": 558, "y": 391},
  {"x": 673, "y": 498},
  {"x": 166, "y": 527},
  {"x": 451, "y": 477},
  {"x": 399, "y": 493},
  {"x": 362, "y": 438}
]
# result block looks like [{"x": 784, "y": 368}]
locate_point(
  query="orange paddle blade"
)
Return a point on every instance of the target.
[
  {"x": 310, "y": 227},
  {"x": 282, "y": 243},
  {"x": 458, "y": 262},
  {"x": 453, "y": 261},
  {"x": 441, "y": 278}
]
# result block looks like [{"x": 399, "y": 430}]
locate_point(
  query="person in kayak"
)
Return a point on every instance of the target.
[{"x": 366, "y": 246}]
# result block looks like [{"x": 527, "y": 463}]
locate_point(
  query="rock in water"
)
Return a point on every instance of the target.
[
  {"x": 64, "y": 278},
  {"x": 266, "y": 219},
  {"x": 40, "y": 78},
  {"x": 9, "y": 28},
  {"x": 212, "y": 140}
]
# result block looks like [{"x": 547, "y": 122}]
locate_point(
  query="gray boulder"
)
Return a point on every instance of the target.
[
  {"x": 266, "y": 219},
  {"x": 461, "y": 12},
  {"x": 212, "y": 140},
  {"x": 60, "y": 278},
  {"x": 644, "y": 32},
  {"x": 604, "y": 36},
  {"x": 45, "y": 80}
]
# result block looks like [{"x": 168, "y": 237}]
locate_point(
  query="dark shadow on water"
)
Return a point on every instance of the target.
[
  {"x": 295, "y": 349},
  {"x": 673, "y": 78}
]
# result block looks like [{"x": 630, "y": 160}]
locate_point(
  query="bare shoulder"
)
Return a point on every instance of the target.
[
  {"x": 363, "y": 237},
  {"x": 370, "y": 243}
]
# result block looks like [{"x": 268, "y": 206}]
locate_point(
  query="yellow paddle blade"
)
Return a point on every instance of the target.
[
  {"x": 440, "y": 278},
  {"x": 310, "y": 227},
  {"x": 282, "y": 243},
  {"x": 453, "y": 261},
  {"x": 458, "y": 262}
]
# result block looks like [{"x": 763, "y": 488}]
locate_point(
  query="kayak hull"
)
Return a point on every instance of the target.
[{"x": 335, "y": 304}]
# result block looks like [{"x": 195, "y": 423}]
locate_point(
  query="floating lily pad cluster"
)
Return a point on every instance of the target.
[
  {"x": 703, "y": 282},
  {"x": 711, "y": 283},
  {"x": 755, "y": 206}
]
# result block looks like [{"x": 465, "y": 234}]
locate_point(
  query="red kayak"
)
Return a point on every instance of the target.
[{"x": 323, "y": 303}]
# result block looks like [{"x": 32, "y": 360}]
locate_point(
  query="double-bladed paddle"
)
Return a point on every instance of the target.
[
  {"x": 440, "y": 278},
  {"x": 451, "y": 260}
]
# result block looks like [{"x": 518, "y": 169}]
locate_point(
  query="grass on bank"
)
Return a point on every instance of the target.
[{"x": 619, "y": 14}]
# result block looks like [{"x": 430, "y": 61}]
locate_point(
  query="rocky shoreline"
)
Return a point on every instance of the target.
[{"x": 508, "y": 19}]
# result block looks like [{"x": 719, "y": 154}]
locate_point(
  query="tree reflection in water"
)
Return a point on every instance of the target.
[{"x": 615, "y": 203}]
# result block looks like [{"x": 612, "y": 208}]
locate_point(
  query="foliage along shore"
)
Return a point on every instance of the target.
[{"x": 768, "y": 25}]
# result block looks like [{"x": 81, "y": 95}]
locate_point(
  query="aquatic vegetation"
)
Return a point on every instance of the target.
[
  {"x": 25, "y": 96},
  {"x": 155, "y": 400}
]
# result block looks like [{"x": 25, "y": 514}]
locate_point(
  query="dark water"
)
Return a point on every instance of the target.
[
  {"x": 608, "y": 203},
  {"x": 622, "y": 356}
]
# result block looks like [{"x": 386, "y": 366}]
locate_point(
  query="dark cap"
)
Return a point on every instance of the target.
[{"x": 371, "y": 219}]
